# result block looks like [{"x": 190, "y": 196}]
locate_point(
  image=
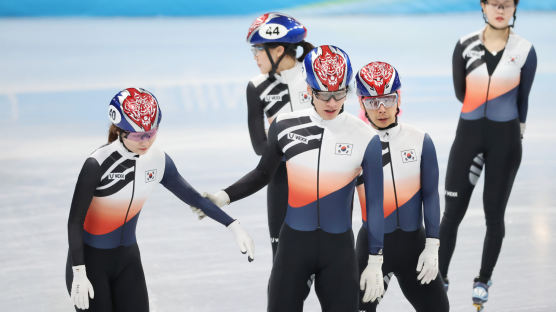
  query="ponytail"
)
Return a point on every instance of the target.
[
  {"x": 113, "y": 133},
  {"x": 307, "y": 47}
]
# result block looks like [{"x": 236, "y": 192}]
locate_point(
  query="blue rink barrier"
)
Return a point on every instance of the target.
[{"x": 55, "y": 8}]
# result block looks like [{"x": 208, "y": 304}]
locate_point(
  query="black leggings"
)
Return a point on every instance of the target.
[
  {"x": 117, "y": 278},
  {"x": 331, "y": 257},
  {"x": 401, "y": 253},
  {"x": 277, "y": 204},
  {"x": 500, "y": 146}
]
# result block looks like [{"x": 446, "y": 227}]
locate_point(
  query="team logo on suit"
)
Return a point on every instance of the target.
[
  {"x": 408, "y": 156},
  {"x": 343, "y": 148},
  {"x": 116, "y": 176},
  {"x": 150, "y": 175},
  {"x": 304, "y": 97},
  {"x": 298, "y": 138}
]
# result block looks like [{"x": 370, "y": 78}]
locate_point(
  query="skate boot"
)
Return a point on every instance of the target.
[{"x": 480, "y": 293}]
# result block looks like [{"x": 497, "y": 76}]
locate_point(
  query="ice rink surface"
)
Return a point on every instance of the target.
[{"x": 58, "y": 75}]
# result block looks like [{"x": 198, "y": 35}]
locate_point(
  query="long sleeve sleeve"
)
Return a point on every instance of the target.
[
  {"x": 255, "y": 120},
  {"x": 526, "y": 81},
  {"x": 82, "y": 196},
  {"x": 458, "y": 72},
  {"x": 374, "y": 194},
  {"x": 175, "y": 183},
  {"x": 261, "y": 175},
  {"x": 429, "y": 188}
]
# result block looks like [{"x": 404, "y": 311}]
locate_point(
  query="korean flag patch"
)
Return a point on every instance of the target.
[
  {"x": 409, "y": 156},
  {"x": 150, "y": 175},
  {"x": 343, "y": 148}
]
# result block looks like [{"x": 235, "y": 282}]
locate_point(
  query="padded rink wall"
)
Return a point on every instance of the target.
[
  {"x": 21, "y": 8},
  {"x": 64, "y": 70}
]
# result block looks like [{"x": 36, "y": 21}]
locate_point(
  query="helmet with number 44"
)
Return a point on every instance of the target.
[{"x": 276, "y": 27}]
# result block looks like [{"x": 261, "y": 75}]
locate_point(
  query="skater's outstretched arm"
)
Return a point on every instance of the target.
[
  {"x": 261, "y": 175},
  {"x": 175, "y": 183}
]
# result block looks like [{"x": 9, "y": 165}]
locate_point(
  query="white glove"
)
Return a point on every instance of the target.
[
  {"x": 81, "y": 288},
  {"x": 243, "y": 240},
  {"x": 200, "y": 214},
  {"x": 219, "y": 198},
  {"x": 427, "y": 264},
  {"x": 372, "y": 281},
  {"x": 521, "y": 129}
]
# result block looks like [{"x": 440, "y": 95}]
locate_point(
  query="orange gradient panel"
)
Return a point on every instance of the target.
[
  {"x": 501, "y": 86},
  {"x": 405, "y": 189},
  {"x": 302, "y": 183},
  {"x": 105, "y": 215},
  {"x": 362, "y": 201},
  {"x": 475, "y": 92}
]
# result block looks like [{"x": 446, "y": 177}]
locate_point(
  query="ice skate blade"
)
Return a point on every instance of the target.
[{"x": 478, "y": 306}]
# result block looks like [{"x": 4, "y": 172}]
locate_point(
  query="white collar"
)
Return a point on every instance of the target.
[
  {"x": 123, "y": 150},
  {"x": 389, "y": 134},
  {"x": 289, "y": 75},
  {"x": 323, "y": 122}
]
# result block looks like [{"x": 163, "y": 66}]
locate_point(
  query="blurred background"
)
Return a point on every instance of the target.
[{"x": 62, "y": 61}]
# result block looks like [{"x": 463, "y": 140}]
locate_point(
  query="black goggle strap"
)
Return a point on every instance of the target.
[{"x": 489, "y": 24}]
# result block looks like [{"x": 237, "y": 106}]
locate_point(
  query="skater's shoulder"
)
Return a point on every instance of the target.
[
  {"x": 258, "y": 80},
  {"x": 472, "y": 37}
]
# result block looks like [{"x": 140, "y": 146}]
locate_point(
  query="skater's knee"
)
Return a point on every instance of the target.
[{"x": 495, "y": 228}]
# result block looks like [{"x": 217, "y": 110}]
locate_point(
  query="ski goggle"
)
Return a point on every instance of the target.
[
  {"x": 256, "y": 49},
  {"x": 502, "y": 6},
  {"x": 140, "y": 136},
  {"x": 374, "y": 102},
  {"x": 327, "y": 95}
]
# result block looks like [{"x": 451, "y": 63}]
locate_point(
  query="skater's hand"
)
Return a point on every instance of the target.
[
  {"x": 521, "y": 129},
  {"x": 427, "y": 264},
  {"x": 219, "y": 198},
  {"x": 81, "y": 288},
  {"x": 372, "y": 281},
  {"x": 243, "y": 239},
  {"x": 200, "y": 214}
]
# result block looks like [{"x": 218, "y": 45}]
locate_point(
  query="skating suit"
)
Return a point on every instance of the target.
[
  {"x": 494, "y": 89},
  {"x": 323, "y": 159},
  {"x": 410, "y": 170},
  {"x": 112, "y": 187}
]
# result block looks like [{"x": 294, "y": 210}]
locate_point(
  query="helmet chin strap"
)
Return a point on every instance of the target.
[
  {"x": 392, "y": 125},
  {"x": 498, "y": 28},
  {"x": 274, "y": 66}
]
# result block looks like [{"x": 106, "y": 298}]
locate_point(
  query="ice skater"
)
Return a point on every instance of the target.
[
  {"x": 325, "y": 151},
  {"x": 103, "y": 262},
  {"x": 493, "y": 71},
  {"x": 410, "y": 173},
  {"x": 280, "y": 87}
]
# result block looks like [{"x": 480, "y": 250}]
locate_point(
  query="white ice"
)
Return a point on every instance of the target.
[{"x": 57, "y": 76}]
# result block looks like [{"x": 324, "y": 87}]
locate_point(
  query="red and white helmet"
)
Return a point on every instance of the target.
[{"x": 134, "y": 110}]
